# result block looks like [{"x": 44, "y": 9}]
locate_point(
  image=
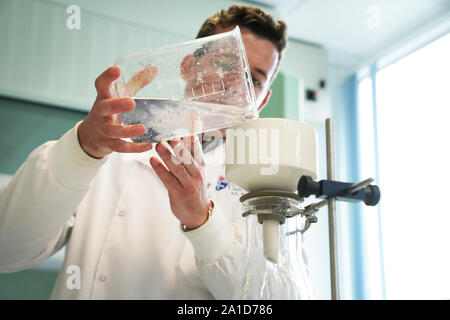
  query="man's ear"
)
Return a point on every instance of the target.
[
  {"x": 265, "y": 100},
  {"x": 186, "y": 67}
]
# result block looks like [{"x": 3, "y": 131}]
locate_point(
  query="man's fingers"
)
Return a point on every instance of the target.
[
  {"x": 167, "y": 178},
  {"x": 192, "y": 145},
  {"x": 173, "y": 164},
  {"x": 182, "y": 149},
  {"x": 139, "y": 80},
  {"x": 104, "y": 81},
  {"x": 111, "y": 106},
  {"x": 114, "y": 131},
  {"x": 128, "y": 147},
  {"x": 196, "y": 149}
]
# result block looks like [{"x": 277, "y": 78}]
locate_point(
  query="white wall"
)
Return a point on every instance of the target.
[
  {"x": 42, "y": 60},
  {"x": 310, "y": 62}
]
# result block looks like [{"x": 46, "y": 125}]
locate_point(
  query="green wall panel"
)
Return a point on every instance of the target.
[
  {"x": 24, "y": 126},
  {"x": 33, "y": 284},
  {"x": 284, "y": 101}
]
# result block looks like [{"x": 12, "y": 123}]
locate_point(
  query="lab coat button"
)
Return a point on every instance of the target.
[
  {"x": 102, "y": 278},
  {"x": 121, "y": 213}
]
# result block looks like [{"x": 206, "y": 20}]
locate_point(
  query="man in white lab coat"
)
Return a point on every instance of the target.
[{"x": 134, "y": 228}]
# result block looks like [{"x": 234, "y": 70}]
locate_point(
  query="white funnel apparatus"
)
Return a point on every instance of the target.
[
  {"x": 267, "y": 157},
  {"x": 270, "y": 153}
]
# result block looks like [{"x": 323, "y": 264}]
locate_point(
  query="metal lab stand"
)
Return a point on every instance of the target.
[
  {"x": 332, "y": 213},
  {"x": 333, "y": 190}
]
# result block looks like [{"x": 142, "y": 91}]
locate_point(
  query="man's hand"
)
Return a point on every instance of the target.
[
  {"x": 184, "y": 179},
  {"x": 100, "y": 132}
]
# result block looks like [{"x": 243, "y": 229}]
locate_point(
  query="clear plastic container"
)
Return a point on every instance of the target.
[{"x": 188, "y": 88}]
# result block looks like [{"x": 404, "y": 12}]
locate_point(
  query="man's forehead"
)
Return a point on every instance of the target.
[{"x": 261, "y": 53}]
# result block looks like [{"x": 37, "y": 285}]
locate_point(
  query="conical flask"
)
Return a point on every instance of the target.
[{"x": 274, "y": 266}]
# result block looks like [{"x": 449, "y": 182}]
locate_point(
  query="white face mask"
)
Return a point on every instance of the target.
[{"x": 211, "y": 144}]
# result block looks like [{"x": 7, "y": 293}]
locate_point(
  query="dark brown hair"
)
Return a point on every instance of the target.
[{"x": 252, "y": 18}]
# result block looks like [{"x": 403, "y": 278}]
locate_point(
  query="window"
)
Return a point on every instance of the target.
[
  {"x": 409, "y": 125},
  {"x": 370, "y": 238}
]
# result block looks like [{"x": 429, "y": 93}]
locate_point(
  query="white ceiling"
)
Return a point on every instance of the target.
[{"x": 354, "y": 30}]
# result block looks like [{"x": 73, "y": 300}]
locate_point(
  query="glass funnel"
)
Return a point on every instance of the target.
[
  {"x": 188, "y": 88},
  {"x": 280, "y": 273}
]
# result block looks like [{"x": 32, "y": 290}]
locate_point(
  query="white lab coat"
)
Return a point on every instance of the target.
[{"x": 114, "y": 215}]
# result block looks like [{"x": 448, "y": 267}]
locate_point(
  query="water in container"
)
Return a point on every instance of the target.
[{"x": 197, "y": 86}]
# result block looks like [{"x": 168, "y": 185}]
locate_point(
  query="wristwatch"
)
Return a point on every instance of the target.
[{"x": 210, "y": 212}]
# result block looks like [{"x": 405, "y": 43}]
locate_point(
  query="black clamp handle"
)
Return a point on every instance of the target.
[{"x": 345, "y": 191}]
